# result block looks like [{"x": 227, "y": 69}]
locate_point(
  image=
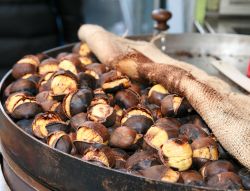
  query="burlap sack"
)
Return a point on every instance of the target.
[{"x": 226, "y": 113}]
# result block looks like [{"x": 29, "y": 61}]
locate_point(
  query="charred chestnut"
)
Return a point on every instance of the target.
[
  {"x": 95, "y": 70},
  {"x": 49, "y": 65},
  {"x": 162, "y": 173},
  {"x": 77, "y": 120},
  {"x": 155, "y": 110},
  {"x": 138, "y": 118},
  {"x": 192, "y": 177},
  {"x": 20, "y": 105},
  {"x": 124, "y": 137},
  {"x": 191, "y": 132},
  {"x": 63, "y": 82},
  {"x": 41, "y": 121},
  {"x": 120, "y": 158},
  {"x": 24, "y": 85},
  {"x": 175, "y": 106},
  {"x": 60, "y": 141},
  {"x": 92, "y": 132},
  {"x": 26, "y": 65},
  {"x": 46, "y": 101},
  {"x": 176, "y": 153},
  {"x": 77, "y": 101},
  {"x": 100, "y": 153},
  {"x": 71, "y": 63},
  {"x": 102, "y": 113},
  {"x": 86, "y": 80},
  {"x": 225, "y": 180},
  {"x": 204, "y": 149},
  {"x": 127, "y": 98},
  {"x": 216, "y": 167},
  {"x": 142, "y": 160},
  {"x": 113, "y": 81},
  {"x": 156, "y": 94}
]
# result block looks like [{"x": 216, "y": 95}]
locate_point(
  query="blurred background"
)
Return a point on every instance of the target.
[{"x": 31, "y": 26}]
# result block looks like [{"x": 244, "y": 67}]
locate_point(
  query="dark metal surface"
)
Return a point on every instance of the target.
[{"x": 60, "y": 171}]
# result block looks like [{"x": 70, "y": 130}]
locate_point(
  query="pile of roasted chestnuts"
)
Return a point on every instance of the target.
[{"x": 79, "y": 106}]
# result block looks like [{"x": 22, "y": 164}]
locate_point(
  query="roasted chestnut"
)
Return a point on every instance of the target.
[
  {"x": 26, "y": 125},
  {"x": 158, "y": 134},
  {"x": 63, "y": 83},
  {"x": 26, "y": 65},
  {"x": 49, "y": 65},
  {"x": 24, "y": 85},
  {"x": 86, "y": 80},
  {"x": 141, "y": 160},
  {"x": 120, "y": 158},
  {"x": 191, "y": 132},
  {"x": 21, "y": 106},
  {"x": 32, "y": 77},
  {"x": 162, "y": 173},
  {"x": 204, "y": 149},
  {"x": 77, "y": 101},
  {"x": 71, "y": 63},
  {"x": 46, "y": 101},
  {"x": 77, "y": 120},
  {"x": 86, "y": 60},
  {"x": 155, "y": 110},
  {"x": 192, "y": 177},
  {"x": 102, "y": 113},
  {"x": 95, "y": 70},
  {"x": 100, "y": 153},
  {"x": 113, "y": 81},
  {"x": 176, "y": 153},
  {"x": 82, "y": 49},
  {"x": 124, "y": 137},
  {"x": 225, "y": 180},
  {"x": 156, "y": 94},
  {"x": 127, "y": 98},
  {"x": 44, "y": 83},
  {"x": 216, "y": 167},
  {"x": 138, "y": 118},
  {"x": 92, "y": 132},
  {"x": 244, "y": 174},
  {"x": 175, "y": 106},
  {"x": 60, "y": 141},
  {"x": 41, "y": 121}
]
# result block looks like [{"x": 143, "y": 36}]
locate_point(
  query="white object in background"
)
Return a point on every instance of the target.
[
  {"x": 233, "y": 74},
  {"x": 234, "y": 7}
]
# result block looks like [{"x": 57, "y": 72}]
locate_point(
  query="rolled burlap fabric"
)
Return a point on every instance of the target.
[{"x": 225, "y": 112}]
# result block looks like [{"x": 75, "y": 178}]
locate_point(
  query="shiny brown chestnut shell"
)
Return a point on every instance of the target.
[
  {"x": 92, "y": 132},
  {"x": 21, "y": 106},
  {"x": 141, "y": 160},
  {"x": 191, "y": 132},
  {"x": 26, "y": 65},
  {"x": 124, "y": 137},
  {"x": 57, "y": 126},
  {"x": 82, "y": 146},
  {"x": 102, "y": 113},
  {"x": 204, "y": 149},
  {"x": 95, "y": 70},
  {"x": 175, "y": 106},
  {"x": 176, "y": 153},
  {"x": 32, "y": 77},
  {"x": 225, "y": 180},
  {"x": 41, "y": 121},
  {"x": 156, "y": 94},
  {"x": 60, "y": 141},
  {"x": 77, "y": 120},
  {"x": 86, "y": 80},
  {"x": 63, "y": 83},
  {"x": 49, "y": 65},
  {"x": 44, "y": 83},
  {"x": 155, "y": 110},
  {"x": 46, "y": 101},
  {"x": 121, "y": 157},
  {"x": 127, "y": 98},
  {"x": 216, "y": 167},
  {"x": 161, "y": 173},
  {"x": 77, "y": 101},
  {"x": 71, "y": 63},
  {"x": 26, "y": 125},
  {"x": 24, "y": 85},
  {"x": 138, "y": 118},
  {"x": 100, "y": 153},
  {"x": 192, "y": 177},
  {"x": 114, "y": 81}
]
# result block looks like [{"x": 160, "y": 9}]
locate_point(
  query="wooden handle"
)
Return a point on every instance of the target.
[{"x": 161, "y": 16}]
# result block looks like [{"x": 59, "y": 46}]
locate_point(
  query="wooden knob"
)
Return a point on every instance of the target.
[{"x": 161, "y": 16}]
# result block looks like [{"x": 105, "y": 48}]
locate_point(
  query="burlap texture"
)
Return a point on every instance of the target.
[{"x": 226, "y": 113}]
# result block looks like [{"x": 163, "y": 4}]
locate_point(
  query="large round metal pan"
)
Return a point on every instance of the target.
[{"x": 60, "y": 171}]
